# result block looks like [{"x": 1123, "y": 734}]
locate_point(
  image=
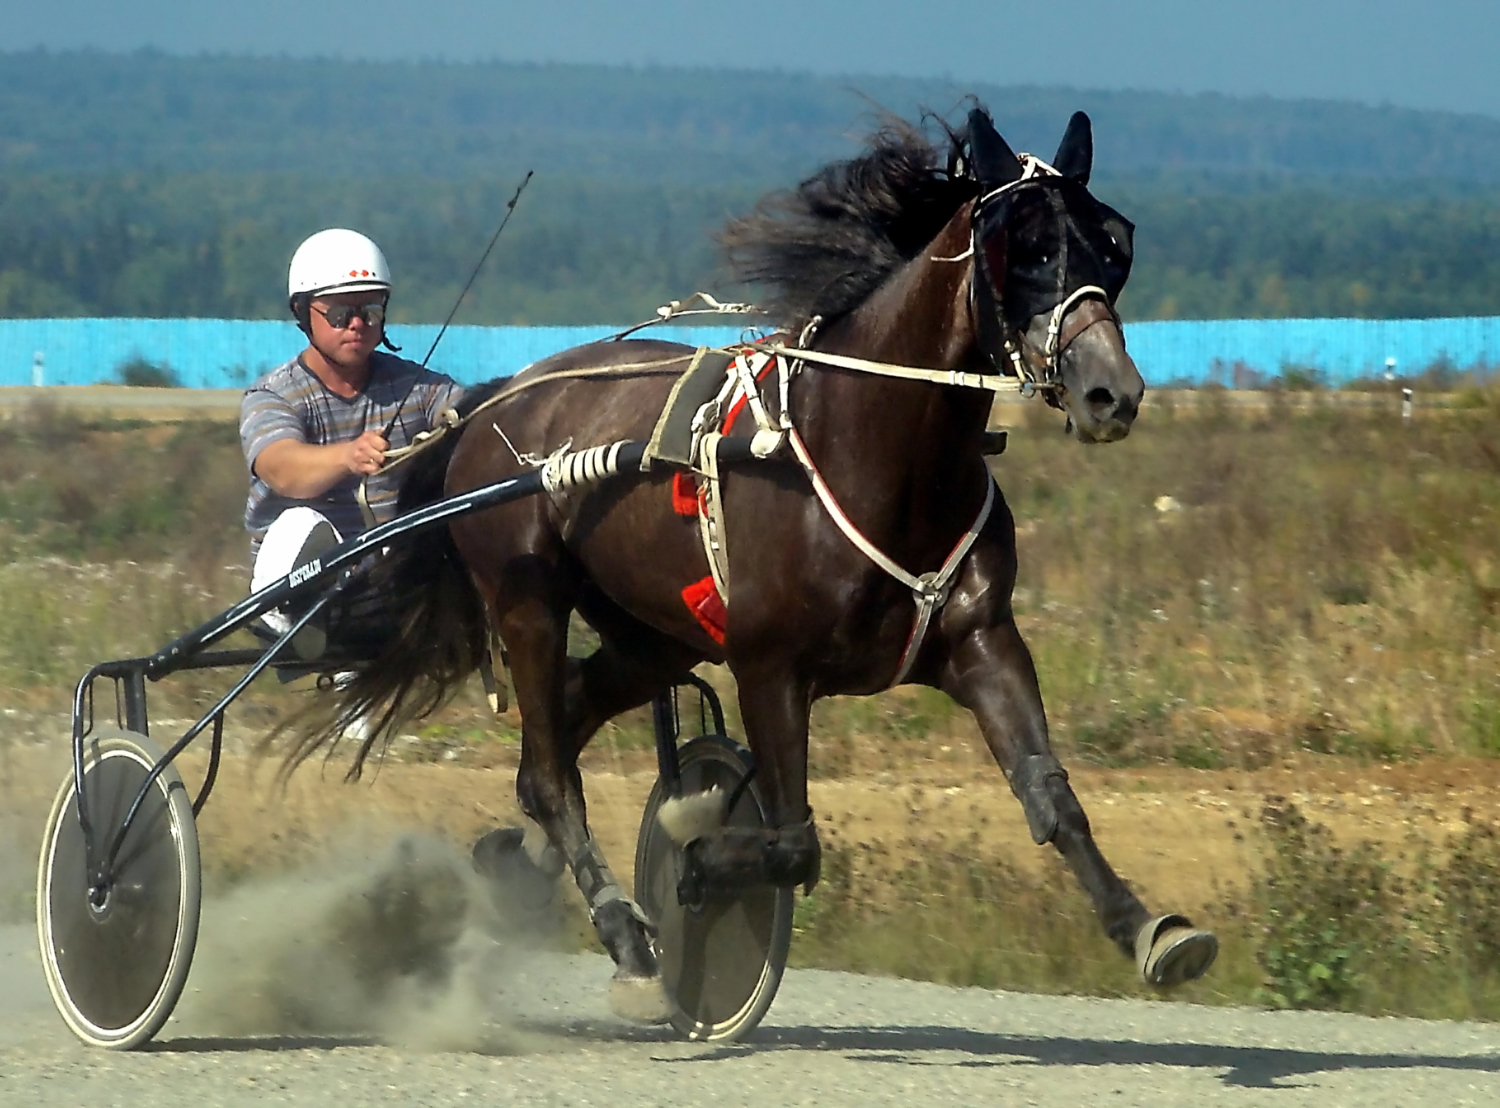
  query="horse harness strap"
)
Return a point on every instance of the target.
[
  {"x": 989, "y": 382},
  {"x": 689, "y": 430},
  {"x": 930, "y": 590},
  {"x": 741, "y": 385},
  {"x": 1045, "y": 375}
]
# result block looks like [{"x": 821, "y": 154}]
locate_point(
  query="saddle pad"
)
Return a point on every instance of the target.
[{"x": 672, "y": 439}]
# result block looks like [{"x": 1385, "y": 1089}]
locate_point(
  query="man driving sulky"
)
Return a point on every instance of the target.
[{"x": 316, "y": 430}]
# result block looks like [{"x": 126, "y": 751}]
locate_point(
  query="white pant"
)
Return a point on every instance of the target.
[{"x": 295, "y": 536}]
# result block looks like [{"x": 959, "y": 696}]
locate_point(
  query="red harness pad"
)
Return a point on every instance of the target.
[
  {"x": 684, "y": 494},
  {"x": 702, "y": 599}
]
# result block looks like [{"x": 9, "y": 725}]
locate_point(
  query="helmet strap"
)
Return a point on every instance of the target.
[{"x": 301, "y": 306}]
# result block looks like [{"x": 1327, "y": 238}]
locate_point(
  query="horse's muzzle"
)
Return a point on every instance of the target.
[{"x": 1109, "y": 415}]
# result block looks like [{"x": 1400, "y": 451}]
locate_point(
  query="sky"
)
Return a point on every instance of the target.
[{"x": 1432, "y": 54}]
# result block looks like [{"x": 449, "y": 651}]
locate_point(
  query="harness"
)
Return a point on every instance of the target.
[
  {"x": 1029, "y": 376},
  {"x": 1030, "y": 372},
  {"x": 741, "y": 392}
]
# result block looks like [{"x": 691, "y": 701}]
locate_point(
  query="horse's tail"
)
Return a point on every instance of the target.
[{"x": 441, "y": 635}]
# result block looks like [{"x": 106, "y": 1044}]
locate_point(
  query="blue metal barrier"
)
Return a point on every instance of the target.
[
  {"x": 230, "y": 353},
  {"x": 1233, "y": 351},
  {"x": 217, "y": 353}
]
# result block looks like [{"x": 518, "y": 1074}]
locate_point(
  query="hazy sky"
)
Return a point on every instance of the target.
[{"x": 1429, "y": 54}]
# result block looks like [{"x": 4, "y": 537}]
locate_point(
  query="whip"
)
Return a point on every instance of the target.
[
  {"x": 361, "y": 494},
  {"x": 510, "y": 209}
]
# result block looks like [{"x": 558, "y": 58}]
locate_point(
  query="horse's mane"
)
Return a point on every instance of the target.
[{"x": 823, "y": 247}]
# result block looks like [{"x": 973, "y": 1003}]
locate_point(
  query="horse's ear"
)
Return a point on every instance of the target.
[
  {"x": 994, "y": 162},
  {"x": 1075, "y": 154}
]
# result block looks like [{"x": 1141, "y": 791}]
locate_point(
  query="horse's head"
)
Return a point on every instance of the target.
[{"x": 1049, "y": 263}]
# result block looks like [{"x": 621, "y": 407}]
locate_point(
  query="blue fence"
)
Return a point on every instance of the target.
[
  {"x": 230, "y": 353},
  {"x": 1233, "y": 351},
  {"x": 213, "y": 353}
]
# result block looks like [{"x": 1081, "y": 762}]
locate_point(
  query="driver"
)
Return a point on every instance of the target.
[{"x": 314, "y": 430}]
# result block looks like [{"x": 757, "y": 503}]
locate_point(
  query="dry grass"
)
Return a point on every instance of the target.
[
  {"x": 1231, "y": 587},
  {"x": 1323, "y": 580}
]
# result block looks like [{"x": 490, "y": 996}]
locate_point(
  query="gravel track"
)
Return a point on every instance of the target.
[{"x": 831, "y": 1039}]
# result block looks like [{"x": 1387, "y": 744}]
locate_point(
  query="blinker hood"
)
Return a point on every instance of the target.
[{"x": 1047, "y": 237}]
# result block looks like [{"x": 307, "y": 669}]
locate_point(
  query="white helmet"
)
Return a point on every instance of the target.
[{"x": 337, "y": 260}]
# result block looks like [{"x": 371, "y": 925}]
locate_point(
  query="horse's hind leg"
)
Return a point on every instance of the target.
[
  {"x": 563, "y": 701},
  {"x": 989, "y": 670}
]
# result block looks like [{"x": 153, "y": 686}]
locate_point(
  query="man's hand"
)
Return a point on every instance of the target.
[{"x": 366, "y": 454}]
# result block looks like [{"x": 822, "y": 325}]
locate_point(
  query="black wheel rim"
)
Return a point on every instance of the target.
[
  {"x": 717, "y": 959},
  {"x": 113, "y": 959}
]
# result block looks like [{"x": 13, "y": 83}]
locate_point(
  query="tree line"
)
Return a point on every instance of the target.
[
  {"x": 90, "y": 111},
  {"x": 585, "y": 251}
]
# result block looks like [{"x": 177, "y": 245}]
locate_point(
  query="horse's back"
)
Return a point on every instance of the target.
[
  {"x": 562, "y": 398},
  {"x": 650, "y": 355},
  {"x": 624, "y": 533}
]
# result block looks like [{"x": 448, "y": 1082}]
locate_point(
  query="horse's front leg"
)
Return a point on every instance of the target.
[
  {"x": 988, "y": 669},
  {"x": 785, "y": 852}
]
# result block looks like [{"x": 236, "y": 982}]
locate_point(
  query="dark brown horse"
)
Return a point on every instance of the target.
[{"x": 937, "y": 256}]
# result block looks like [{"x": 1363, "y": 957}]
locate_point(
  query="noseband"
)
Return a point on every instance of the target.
[{"x": 1038, "y": 369}]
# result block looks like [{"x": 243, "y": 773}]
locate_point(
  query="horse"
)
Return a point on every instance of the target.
[{"x": 954, "y": 256}]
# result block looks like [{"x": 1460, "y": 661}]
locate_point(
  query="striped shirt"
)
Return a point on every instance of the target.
[{"x": 291, "y": 403}]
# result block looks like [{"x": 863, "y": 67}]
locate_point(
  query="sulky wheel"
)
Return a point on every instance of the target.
[
  {"x": 721, "y": 960},
  {"x": 117, "y": 957}
]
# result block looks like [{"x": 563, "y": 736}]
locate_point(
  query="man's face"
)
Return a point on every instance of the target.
[{"x": 349, "y": 346}]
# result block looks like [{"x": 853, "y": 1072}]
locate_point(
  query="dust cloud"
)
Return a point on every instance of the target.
[
  {"x": 30, "y": 776},
  {"x": 402, "y": 942}
]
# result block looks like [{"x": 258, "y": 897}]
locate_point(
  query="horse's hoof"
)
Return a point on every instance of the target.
[
  {"x": 1170, "y": 950},
  {"x": 639, "y": 999},
  {"x": 517, "y": 885}
]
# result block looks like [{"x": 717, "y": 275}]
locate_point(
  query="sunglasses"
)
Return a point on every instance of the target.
[{"x": 340, "y": 316}]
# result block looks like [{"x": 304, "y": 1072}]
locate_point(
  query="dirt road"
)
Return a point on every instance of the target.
[
  {"x": 831, "y": 1039},
  {"x": 267, "y": 1017}
]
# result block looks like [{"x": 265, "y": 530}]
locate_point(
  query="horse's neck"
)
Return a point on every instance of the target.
[{"x": 920, "y": 317}]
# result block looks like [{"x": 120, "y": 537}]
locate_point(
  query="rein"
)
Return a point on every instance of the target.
[
  {"x": 452, "y": 421},
  {"x": 987, "y": 381},
  {"x": 1033, "y": 371},
  {"x": 799, "y": 354}
]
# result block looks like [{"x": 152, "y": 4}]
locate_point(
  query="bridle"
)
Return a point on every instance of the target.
[{"x": 1000, "y": 339}]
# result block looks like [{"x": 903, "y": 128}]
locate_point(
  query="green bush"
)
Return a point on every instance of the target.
[
  {"x": 1469, "y": 893},
  {"x": 1328, "y": 914},
  {"x": 140, "y": 373}
]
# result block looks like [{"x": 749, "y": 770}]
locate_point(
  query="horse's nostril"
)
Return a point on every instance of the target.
[{"x": 1100, "y": 398}]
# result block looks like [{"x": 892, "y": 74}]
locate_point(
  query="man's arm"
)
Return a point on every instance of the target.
[{"x": 300, "y": 470}]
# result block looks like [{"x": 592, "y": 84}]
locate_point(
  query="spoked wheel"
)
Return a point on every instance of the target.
[
  {"x": 117, "y": 957},
  {"x": 721, "y": 960}
]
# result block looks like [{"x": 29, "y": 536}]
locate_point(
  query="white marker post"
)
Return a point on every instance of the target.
[
  {"x": 1406, "y": 402},
  {"x": 38, "y": 370},
  {"x": 1390, "y": 369}
]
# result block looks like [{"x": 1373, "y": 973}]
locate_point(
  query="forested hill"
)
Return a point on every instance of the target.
[
  {"x": 148, "y": 185},
  {"x": 84, "y": 112}
]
